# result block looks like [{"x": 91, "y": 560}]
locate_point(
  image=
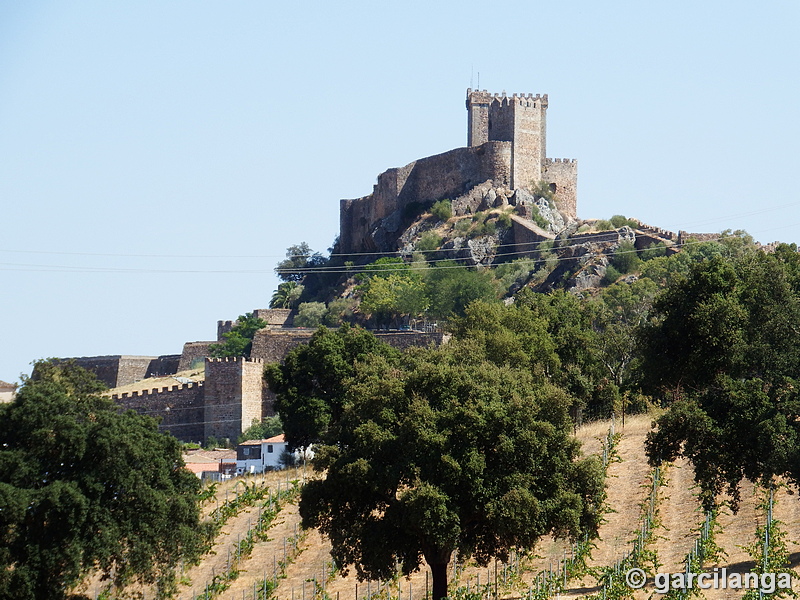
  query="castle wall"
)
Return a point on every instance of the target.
[
  {"x": 275, "y": 317},
  {"x": 193, "y": 353},
  {"x": 408, "y": 339},
  {"x": 179, "y": 408},
  {"x": 425, "y": 181},
  {"x": 527, "y": 235},
  {"x": 117, "y": 370},
  {"x": 273, "y": 345},
  {"x": 233, "y": 395},
  {"x": 563, "y": 172}
]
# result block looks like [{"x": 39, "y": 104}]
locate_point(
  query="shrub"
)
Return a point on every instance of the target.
[
  {"x": 603, "y": 225},
  {"x": 654, "y": 250},
  {"x": 625, "y": 258},
  {"x": 442, "y": 210},
  {"x": 463, "y": 226},
  {"x": 504, "y": 221},
  {"x": 621, "y": 221},
  {"x": 611, "y": 275},
  {"x": 538, "y": 218},
  {"x": 428, "y": 242},
  {"x": 310, "y": 314}
]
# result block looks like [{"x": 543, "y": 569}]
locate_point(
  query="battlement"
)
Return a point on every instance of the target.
[
  {"x": 156, "y": 391},
  {"x": 506, "y": 145},
  {"x": 234, "y": 359},
  {"x": 484, "y": 97}
]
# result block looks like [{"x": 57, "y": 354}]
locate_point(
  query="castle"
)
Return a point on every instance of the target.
[
  {"x": 233, "y": 392},
  {"x": 506, "y": 149}
]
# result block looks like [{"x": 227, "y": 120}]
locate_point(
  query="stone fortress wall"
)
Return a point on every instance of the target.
[
  {"x": 234, "y": 392},
  {"x": 506, "y": 145},
  {"x": 180, "y": 408}
]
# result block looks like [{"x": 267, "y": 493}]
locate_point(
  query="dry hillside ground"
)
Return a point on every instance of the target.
[{"x": 679, "y": 513}]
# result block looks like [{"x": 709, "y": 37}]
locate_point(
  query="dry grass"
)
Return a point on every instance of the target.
[{"x": 627, "y": 489}]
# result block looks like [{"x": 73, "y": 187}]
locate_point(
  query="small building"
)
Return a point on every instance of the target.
[
  {"x": 211, "y": 464},
  {"x": 7, "y": 391},
  {"x": 257, "y": 456}
]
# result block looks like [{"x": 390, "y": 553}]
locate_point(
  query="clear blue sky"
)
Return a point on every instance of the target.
[{"x": 157, "y": 158}]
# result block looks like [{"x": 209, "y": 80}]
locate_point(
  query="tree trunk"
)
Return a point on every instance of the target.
[{"x": 439, "y": 575}]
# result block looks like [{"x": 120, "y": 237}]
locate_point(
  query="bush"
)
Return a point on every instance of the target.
[
  {"x": 654, "y": 250},
  {"x": 339, "y": 310},
  {"x": 442, "y": 210},
  {"x": 621, "y": 221},
  {"x": 603, "y": 225},
  {"x": 625, "y": 258},
  {"x": 487, "y": 228},
  {"x": 463, "y": 226},
  {"x": 428, "y": 241},
  {"x": 504, "y": 221},
  {"x": 310, "y": 314},
  {"x": 611, "y": 275}
]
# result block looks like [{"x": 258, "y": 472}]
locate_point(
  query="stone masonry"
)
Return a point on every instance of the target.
[{"x": 506, "y": 145}]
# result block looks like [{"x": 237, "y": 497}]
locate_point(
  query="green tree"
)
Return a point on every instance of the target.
[
  {"x": 263, "y": 429},
  {"x": 448, "y": 452},
  {"x": 239, "y": 340},
  {"x": 299, "y": 259},
  {"x": 625, "y": 258},
  {"x": 394, "y": 296},
  {"x": 310, "y": 314},
  {"x": 442, "y": 210},
  {"x": 309, "y": 385},
  {"x": 84, "y": 486},
  {"x": 728, "y": 336},
  {"x": 451, "y": 288},
  {"x": 287, "y": 295}
]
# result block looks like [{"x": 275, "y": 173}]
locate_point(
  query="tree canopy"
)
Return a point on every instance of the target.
[
  {"x": 239, "y": 340},
  {"x": 724, "y": 350},
  {"x": 310, "y": 384},
  {"x": 84, "y": 486},
  {"x": 447, "y": 451}
]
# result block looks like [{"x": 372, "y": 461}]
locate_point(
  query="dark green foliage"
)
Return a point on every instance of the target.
[
  {"x": 452, "y": 289},
  {"x": 448, "y": 452},
  {"x": 442, "y": 210},
  {"x": 310, "y": 383},
  {"x": 287, "y": 295},
  {"x": 612, "y": 274},
  {"x": 654, "y": 250},
  {"x": 504, "y": 221},
  {"x": 299, "y": 259},
  {"x": 725, "y": 350},
  {"x": 428, "y": 241},
  {"x": 239, "y": 340},
  {"x": 484, "y": 228},
  {"x": 625, "y": 258},
  {"x": 84, "y": 486},
  {"x": 618, "y": 221},
  {"x": 263, "y": 429}
]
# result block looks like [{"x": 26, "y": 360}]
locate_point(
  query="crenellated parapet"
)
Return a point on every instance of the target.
[{"x": 156, "y": 392}]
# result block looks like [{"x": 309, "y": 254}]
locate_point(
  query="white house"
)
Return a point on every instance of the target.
[{"x": 257, "y": 456}]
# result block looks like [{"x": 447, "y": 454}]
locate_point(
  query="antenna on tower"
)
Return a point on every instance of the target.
[{"x": 479, "y": 80}]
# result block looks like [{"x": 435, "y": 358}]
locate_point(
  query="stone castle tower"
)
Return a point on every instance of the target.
[
  {"x": 521, "y": 120},
  {"x": 506, "y": 146}
]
